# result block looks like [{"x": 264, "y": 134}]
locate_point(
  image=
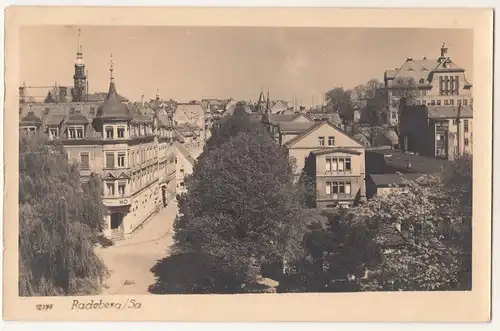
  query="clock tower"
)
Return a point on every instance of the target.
[{"x": 80, "y": 77}]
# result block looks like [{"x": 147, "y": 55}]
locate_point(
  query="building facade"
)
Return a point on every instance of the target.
[
  {"x": 334, "y": 161},
  {"x": 437, "y": 131},
  {"x": 432, "y": 82},
  {"x": 133, "y": 153}
]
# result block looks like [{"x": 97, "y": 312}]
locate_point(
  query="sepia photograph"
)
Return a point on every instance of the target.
[{"x": 224, "y": 160}]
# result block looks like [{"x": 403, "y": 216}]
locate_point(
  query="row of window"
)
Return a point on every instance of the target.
[
  {"x": 338, "y": 164},
  {"x": 331, "y": 141},
  {"x": 441, "y": 138},
  {"x": 338, "y": 188},
  {"x": 448, "y": 85},
  {"x": 445, "y": 124},
  {"x": 110, "y": 159},
  {"x": 109, "y": 189},
  {"x": 446, "y": 102}
]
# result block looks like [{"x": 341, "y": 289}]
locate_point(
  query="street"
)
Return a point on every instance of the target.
[{"x": 129, "y": 261}]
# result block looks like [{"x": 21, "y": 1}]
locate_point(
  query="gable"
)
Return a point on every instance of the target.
[
  {"x": 309, "y": 139},
  {"x": 301, "y": 119}
]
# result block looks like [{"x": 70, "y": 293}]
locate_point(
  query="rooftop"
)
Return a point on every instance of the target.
[
  {"x": 393, "y": 179},
  {"x": 449, "y": 111},
  {"x": 292, "y": 127},
  {"x": 410, "y": 162}
]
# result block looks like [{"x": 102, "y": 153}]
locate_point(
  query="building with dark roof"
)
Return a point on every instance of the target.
[
  {"x": 393, "y": 161},
  {"x": 131, "y": 149},
  {"x": 437, "y": 131},
  {"x": 437, "y": 82}
]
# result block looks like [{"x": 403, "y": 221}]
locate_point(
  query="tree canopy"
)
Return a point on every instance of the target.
[
  {"x": 241, "y": 206},
  {"x": 416, "y": 237},
  {"x": 59, "y": 223}
]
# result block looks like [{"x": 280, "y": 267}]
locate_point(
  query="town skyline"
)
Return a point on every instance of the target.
[{"x": 297, "y": 61}]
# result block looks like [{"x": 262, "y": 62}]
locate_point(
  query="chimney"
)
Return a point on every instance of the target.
[
  {"x": 142, "y": 100},
  {"x": 409, "y": 59},
  {"x": 424, "y": 58}
]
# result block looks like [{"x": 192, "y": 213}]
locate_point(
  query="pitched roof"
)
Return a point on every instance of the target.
[
  {"x": 449, "y": 111},
  {"x": 184, "y": 152},
  {"x": 393, "y": 179},
  {"x": 55, "y": 118},
  {"x": 112, "y": 108},
  {"x": 314, "y": 127},
  {"x": 31, "y": 119},
  {"x": 77, "y": 118},
  {"x": 294, "y": 127},
  {"x": 411, "y": 162},
  {"x": 332, "y": 117}
]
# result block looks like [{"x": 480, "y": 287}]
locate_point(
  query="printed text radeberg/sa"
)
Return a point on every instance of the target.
[{"x": 102, "y": 304}]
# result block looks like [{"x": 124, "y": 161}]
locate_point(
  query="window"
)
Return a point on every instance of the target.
[
  {"x": 335, "y": 164},
  {"x": 328, "y": 164},
  {"x": 331, "y": 141},
  {"x": 347, "y": 188},
  {"x": 433, "y": 102},
  {"x": 110, "y": 188},
  {"x": 466, "y": 142},
  {"x": 321, "y": 141},
  {"x": 446, "y": 102},
  {"x": 341, "y": 188},
  {"x": 79, "y": 133},
  {"x": 109, "y": 132},
  {"x": 84, "y": 160},
  {"x": 121, "y": 189},
  {"x": 328, "y": 188},
  {"x": 466, "y": 125},
  {"x": 465, "y": 102},
  {"x": 455, "y": 90},
  {"x": 54, "y": 132},
  {"x": 341, "y": 164},
  {"x": 438, "y": 102},
  {"x": 121, "y": 132},
  {"x": 121, "y": 159},
  {"x": 348, "y": 164},
  {"x": 72, "y": 133},
  {"x": 452, "y": 102},
  {"x": 335, "y": 188},
  {"x": 459, "y": 102},
  {"x": 441, "y": 88},
  {"x": 110, "y": 160}
]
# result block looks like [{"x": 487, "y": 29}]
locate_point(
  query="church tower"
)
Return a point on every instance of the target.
[{"x": 80, "y": 77}]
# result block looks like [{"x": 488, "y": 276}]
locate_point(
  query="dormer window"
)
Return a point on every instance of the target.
[
  {"x": 75, "y": 132},
  {"x": 121, "y": 132},
  {"x": 109, "y": 132},
  {"x": 53, "y": 133}
]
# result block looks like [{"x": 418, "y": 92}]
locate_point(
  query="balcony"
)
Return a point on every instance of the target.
[
  {"x": 337, "y": 173},
  {"x": 336, "y": 197}
]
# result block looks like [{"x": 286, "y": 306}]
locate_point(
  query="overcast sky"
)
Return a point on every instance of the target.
[{"x": 220, "y": 62}]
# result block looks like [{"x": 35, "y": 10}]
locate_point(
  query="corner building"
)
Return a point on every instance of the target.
[{"x": 133, "y": 153}]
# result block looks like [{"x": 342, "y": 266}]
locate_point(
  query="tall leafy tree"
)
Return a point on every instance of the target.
[
  {"x": 242, "y": 207},
  {"x": 55, "y": 234},
  {"x": 423, "y": 244},
  {"x": 339, "y": 100}
]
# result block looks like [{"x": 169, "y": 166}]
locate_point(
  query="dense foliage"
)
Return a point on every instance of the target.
[
  {"x": 59, "y": 223},
  {"x": 241, "y": 208},
  {"x": 415, "y": 237}
]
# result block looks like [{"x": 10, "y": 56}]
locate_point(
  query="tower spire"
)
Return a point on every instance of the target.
[
  {"x": 111, "y": 69},
  {"x": 79, "y": 46}
]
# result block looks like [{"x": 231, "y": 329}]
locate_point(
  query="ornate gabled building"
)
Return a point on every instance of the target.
[
  {"x": 133, "y": 152},
  {"x": 435, "y": 82}
]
